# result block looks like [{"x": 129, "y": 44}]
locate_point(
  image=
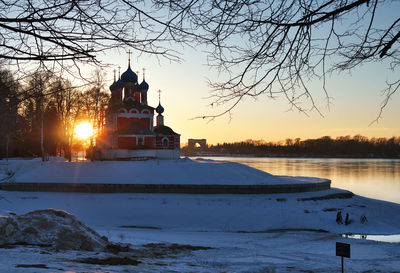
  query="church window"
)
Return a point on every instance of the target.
[
  {"x": 140, "y": 140},
  {"x": 130, "y": 99},
  {"x": 165, "y": 142}
]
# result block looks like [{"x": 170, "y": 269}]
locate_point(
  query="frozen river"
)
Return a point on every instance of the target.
[{"x": 374, "y": 178}]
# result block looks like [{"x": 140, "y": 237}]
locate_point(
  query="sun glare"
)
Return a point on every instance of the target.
[{"x": 83, "y": 130}]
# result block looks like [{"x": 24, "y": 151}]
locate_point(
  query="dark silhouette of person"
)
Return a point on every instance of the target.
[
  {"x": 363, "y": 219},
  {"x": 346, "y": 221},
  {"x": 339, "y": 217}
]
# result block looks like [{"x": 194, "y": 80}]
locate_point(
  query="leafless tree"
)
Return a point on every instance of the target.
[
  {"x": 68, "y": 103},
  {"x": 35, "y": 92},
  {"x": 9, "y": 89},
  {"x": 274, "y": 48},
  {"x": 64, "y": 34},
  {"x": 260, "y": 47},
  {"x": 95, "y": 101}
]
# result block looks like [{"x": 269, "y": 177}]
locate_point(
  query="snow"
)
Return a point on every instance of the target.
[
  {"x": 198, "y": 171},
  {"x": 247, "y": 233},
  {"x": 49, "y": 227}
]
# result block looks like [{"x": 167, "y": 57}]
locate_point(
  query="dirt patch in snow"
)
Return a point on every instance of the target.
[
  {"x": 149, "y": 251},
  {"x": 115, "y": 260},
  {"x": 32, "y": 266},
  {"x": 139, "y": 227},
  {"x": 161, "y": 250},
  {"x": 52, "y": 228},
  {"x": 279, "y": 230},
  {"x": 330, "y": 209},
  {"x": 29, "y": 197},
  {"x": 176, "y": 247},
  {"x": 343, "y": 195}
]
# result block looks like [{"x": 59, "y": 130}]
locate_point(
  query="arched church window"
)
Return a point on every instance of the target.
[
  {"x": 130, "y": 99},
  {"x": 133, "y": 111},
  {"x": 145, "y": 112},
  {"x": 123, "y": 110},
  {"x": 165, "y": 142}
]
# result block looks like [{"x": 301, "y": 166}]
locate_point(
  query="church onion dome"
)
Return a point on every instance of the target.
[
  {"x": 144, "y": 86},
  {"x": 159, "y": 109},
  {"x": 129, "y": 76},
  {"x": 113, "y": 86},
  {"x": 119, "y": 84}
]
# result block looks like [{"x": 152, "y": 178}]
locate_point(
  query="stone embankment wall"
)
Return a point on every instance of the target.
[{"x": 166, "y": 188}]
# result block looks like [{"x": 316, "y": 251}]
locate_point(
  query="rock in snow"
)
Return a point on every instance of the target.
[{"x": 54, "y": 228}]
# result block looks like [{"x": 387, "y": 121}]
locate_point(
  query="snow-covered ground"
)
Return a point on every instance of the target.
[
  {"x": 240, "y": 233},
  {"x": 182, "y": 171}
]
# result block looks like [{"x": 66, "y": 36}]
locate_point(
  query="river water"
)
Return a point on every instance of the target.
[{"x": 374, "y": 178}]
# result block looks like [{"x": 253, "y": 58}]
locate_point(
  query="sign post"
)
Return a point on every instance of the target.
[{"x": 342, "y": 250}]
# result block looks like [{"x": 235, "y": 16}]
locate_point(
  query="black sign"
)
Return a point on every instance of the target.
[{"x": 343, "y": 250}]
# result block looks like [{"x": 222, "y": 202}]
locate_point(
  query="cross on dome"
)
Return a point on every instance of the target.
[
  {"x": 159, "y": 108},
  {"x": 129, "y": 57}
]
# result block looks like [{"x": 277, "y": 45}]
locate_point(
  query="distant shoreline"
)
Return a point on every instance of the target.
[
  {"x": 289, "y": 156},
  {"x": 323, "y": 147}
]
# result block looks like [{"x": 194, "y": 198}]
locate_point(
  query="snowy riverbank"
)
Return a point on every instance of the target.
[
  {"x": 290, "y": 232},
  {"x": 182, "y": 171},
  {"x": 248, "y": 233}
]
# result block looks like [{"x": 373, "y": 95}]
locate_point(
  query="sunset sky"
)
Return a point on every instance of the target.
[
  {"x": 357, "y": 97},
  {"x": 356, "y": 102}
]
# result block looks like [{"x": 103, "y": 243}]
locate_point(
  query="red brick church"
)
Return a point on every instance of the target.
[{"x": 129, "y": 132}]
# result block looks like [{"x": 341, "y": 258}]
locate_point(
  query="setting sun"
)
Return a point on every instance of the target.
[{"x": 83, "y": 130}]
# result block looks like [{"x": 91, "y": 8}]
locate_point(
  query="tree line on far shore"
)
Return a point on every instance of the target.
[{"x": 326, "y": 146}]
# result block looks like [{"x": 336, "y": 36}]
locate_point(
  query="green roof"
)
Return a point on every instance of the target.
[
  {"x": 164, "y": 130},
  {"x": 131, "y": 104},
  {"x": 135, "y": 129}
]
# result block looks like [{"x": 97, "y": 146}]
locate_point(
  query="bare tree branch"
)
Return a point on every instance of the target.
[{"x": 258, "y": 47}]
